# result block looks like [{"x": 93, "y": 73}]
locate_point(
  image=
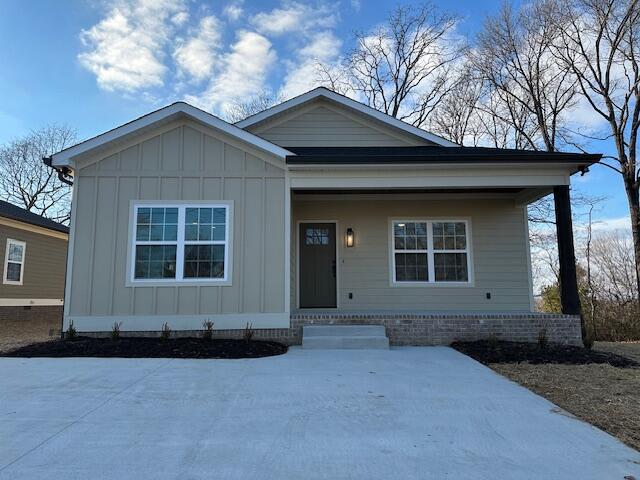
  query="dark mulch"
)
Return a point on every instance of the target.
[
  {"x": 150, "y": 348},
  {"x": 490, "y": 351}
]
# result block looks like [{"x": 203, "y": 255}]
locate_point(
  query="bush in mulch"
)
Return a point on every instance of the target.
[
  {"x": 133, "y": 347},
  {"x": 491, "y": 351}
]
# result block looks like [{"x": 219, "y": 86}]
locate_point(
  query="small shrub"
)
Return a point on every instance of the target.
[
  {"x": 71, "y": 332},
  {"x": 115, "y": 330},
  {"x": 248, "y": 332},
  {"x": 207, "y": 329},
  {"x": 543, "y": 341},
  {"x": 165, "y": 333}
]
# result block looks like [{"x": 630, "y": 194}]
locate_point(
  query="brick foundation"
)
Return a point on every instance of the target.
[
  {"x": 419, "y": 329},
  {"x": 43, "y": 320}
]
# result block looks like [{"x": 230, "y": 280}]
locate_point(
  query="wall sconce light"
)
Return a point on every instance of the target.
[{"x": 349, "y": 238}]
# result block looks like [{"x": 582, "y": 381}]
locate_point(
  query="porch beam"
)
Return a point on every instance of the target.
[{"x": 569, "y": 298}]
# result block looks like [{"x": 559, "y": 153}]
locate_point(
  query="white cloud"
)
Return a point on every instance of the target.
[
  {"x": 234, "y": 10},
  {"x": 612, "y": 224},
  {"x": 125, "y": 50},
  {"x": 242, "y": 74},
  {"x": 197, "y": 55},
  {"x": 301, "y": 76},
  {"x": 295, "y": 17},
  {"x": 355, "y": 4}
]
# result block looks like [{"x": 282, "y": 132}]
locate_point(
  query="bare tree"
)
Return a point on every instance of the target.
[
  {"x": 27, "y": 182},
  {"x": 242, "y": 108},
  {"x": 527, "y": 88},
  {"x": 600, "y": 43},
  {"x": 403, "y": 67},
  {"x": 457, "y": 117}
]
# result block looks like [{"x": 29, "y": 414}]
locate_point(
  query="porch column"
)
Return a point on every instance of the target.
[{"x": 569, "y": 298}]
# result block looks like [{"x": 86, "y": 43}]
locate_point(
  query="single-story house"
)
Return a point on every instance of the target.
[
  {"x": 34, "y": 256},
  {"x": 317, "y": 210}
]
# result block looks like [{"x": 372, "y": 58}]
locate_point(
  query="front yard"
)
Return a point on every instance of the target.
[{"x": 604, "y": 395}]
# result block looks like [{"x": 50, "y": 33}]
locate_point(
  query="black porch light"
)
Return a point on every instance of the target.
[{"x": 349, "y": 237}]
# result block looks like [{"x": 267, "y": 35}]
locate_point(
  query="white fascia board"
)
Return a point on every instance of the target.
[
  {"x": 350, "y": 103},
  {"x": 65, "y": 157}
]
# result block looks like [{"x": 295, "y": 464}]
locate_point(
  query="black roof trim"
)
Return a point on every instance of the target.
[
  {"x": 429, "y": 154},
  {"x": 9, "y": 210}
]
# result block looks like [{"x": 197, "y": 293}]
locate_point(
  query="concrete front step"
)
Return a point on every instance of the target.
[{"x": 344, "y": 337}]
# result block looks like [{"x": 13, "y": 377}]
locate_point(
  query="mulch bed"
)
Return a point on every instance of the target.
[
  {"x": 133, "y": 347},
  {"x": 488, "y": 352}
]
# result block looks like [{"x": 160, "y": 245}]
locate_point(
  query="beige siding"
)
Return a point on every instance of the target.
[
  {"x": 323, "y": 125},
  {"x": 44, "y": 267},
  {"x": 500, "y": 257},
  {"x": 184, "y": 162}
]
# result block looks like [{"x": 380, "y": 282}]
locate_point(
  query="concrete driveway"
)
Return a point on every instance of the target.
[{"x": 403, "y": 413}]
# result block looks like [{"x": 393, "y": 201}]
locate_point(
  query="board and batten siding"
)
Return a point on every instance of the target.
[
  {"x": 324, "y": 125},
  {"x": 44, "y": 265},
  {"x": 182, "y": 162},
  {"x": 499, "y": 254}
]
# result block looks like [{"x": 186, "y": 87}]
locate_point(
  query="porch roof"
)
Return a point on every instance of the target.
[{"x": 432, "y": 155}]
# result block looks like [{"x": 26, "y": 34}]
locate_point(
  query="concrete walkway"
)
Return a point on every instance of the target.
[{"x": 405, "y": 413}]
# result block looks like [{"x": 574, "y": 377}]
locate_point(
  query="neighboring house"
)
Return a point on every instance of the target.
[
  {"x": 34, "y": 256},
  {"x": 318, "y": 210}
]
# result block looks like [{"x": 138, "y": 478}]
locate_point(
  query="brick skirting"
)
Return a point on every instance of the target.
[{"x": 419, "y": 329}]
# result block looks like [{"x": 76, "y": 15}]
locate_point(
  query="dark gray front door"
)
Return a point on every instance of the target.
[{"x": 317, "y": 265}]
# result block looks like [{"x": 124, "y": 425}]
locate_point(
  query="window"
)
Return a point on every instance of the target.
[
  {"x": 430, "y": 251},
  {"x": 14, "y": 262},
  {"x": 181, "y": 243},
  {"x": 317, "y": 236}
]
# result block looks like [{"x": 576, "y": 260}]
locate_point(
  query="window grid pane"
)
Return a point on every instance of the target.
[
  {"x": 157, "y": 224},
  {"x": 451, "y": 267},
  {"x": 449, "y": 236},
  {"x": 410, "y": 236},
  {"x": 13, "y": 272},
  {"x": 205, "y": 224}
]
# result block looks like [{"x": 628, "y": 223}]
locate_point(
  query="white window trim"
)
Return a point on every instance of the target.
[
  {"x": 430, "y": 253},
  {"x": 6, "y": 262},
  {"x": 180, "y": 280}
]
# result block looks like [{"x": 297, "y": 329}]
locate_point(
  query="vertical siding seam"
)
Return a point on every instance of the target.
[
  {"x": 242, "y": 209},
  {"x": 114, "y": 236},
  {"x": 219, "y": 290},
  {"x": 263, "y": 235},
  {"x": 93, "y": 246},
  {"x": 134, "y": 290},
  {"x": 201, "y": 197}
]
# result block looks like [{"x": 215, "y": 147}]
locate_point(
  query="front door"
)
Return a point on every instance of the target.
[{"x": 317, "y": 265}]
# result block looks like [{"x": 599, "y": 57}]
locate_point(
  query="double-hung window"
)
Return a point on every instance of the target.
[
  {"x": 14, "y": 262},
  {"x": 181, "y": 243},
  {"x": 430, "y": 252}
]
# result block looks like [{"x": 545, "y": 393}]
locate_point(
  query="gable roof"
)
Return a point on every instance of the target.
[
  {"x": 166, "y": 114},
  {"x": 322, "y": 92},
  {"x": 9, "y": 210}
]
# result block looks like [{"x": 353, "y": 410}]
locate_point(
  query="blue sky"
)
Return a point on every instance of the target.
[{"x": 96, "y": 64}]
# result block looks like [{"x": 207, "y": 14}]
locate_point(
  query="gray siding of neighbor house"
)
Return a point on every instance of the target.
[
  {"x": 325, "y": 125},
  {"x": 44, "y": 267},
  {"x": 499, "y": 254},
  {"x": 182, "y": 161}
]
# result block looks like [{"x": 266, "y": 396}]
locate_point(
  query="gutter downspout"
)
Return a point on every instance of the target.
[{"x": 64, "y": 173}]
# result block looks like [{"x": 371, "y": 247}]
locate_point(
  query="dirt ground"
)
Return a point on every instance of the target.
[
  {"x": 605, "y": 396},
  {"x": 16, "y": 333}
]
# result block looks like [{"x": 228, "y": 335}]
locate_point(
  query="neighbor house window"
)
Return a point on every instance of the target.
[
  {"x": 181, "y": 242},
  {"x": 14, "y": 262},
  {"x": 430, "y": 251}
]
